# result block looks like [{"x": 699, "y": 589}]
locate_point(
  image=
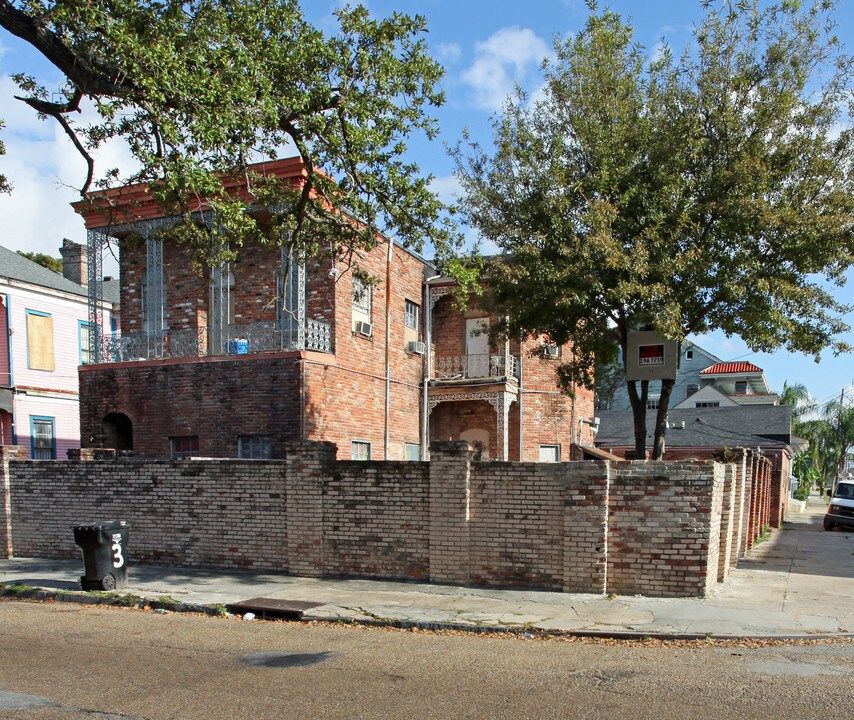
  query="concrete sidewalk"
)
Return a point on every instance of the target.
[{"x": 800, "y": 582}]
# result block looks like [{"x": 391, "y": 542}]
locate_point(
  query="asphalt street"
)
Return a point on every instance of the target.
[{"x": 69, "y": 662}]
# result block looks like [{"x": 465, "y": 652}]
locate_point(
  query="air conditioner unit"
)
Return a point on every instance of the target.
[
  {"x": 417, "y": 348},
  {"x": 364, "y": 328},
  {"x": 550, "y": 351}
]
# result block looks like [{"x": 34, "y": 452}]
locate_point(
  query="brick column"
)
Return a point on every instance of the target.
[
  {"x": 740, "y": 493},
  {"x": 585, "y": 530},
  {"x": 7, "y": 454},
  {"x": 729, "y": 521},
  {"x": 307, "y": 466},
  {"x": 450, "y": 510}
]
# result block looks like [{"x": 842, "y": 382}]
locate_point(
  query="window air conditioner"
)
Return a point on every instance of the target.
[
  {"x": 364, "y": 328},
  {"x": 417, "y": 348},
  {"x": 550, "y": 351}
]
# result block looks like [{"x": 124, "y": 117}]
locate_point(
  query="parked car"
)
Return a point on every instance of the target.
[{"x": 840, "y": 511}]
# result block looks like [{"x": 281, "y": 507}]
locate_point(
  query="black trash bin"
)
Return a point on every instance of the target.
[{"x": 104, "y": 546}]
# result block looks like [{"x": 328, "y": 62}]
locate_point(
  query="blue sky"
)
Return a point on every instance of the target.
[{"x": 485, "y": 48}]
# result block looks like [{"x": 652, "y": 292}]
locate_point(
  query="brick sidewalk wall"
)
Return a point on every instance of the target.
[{"x": 628, "y": 527}]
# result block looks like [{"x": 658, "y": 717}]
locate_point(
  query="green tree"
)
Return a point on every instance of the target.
[
  {"x": 51, "y": 263},
  {"x": 201, "y": 88},
  {"x": 712, "y": 190}
]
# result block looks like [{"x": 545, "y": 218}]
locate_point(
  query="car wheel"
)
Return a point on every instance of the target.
[{"x": 829, "y": 524}]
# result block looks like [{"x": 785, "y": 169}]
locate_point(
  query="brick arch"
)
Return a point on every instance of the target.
[
  {"x": 117, "y": 430},
  {"x": 449, "y": 420}
]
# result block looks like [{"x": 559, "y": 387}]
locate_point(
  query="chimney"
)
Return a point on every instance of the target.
[{"x": 75, "y": 264}]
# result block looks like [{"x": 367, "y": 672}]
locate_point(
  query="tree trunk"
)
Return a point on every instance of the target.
[
  {"x": 661, "y": 419},
  {"x": 639, "y": 415}
]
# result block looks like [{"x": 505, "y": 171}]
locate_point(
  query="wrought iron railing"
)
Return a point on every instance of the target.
[
  {"x": 245, "y": 339},
  {"x": 471, "y": 367}
]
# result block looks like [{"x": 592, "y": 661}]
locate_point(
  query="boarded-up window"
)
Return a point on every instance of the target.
[{"x": 40, "y": 341}]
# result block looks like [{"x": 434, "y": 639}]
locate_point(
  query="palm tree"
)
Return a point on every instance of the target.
[
  {"x": 841, "y": 419},
  {"x": 799, "y": 399}
]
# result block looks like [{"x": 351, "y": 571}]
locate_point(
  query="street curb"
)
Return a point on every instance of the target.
[
  {"x": 532, "y": 633},
  {"x": 112, "y": 600},
  {"x": 140, "y": 603}
]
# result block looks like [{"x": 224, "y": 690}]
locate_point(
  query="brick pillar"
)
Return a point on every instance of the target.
[
  {"x": 7, "y": 454},
  {"x": 450, "y": 508},
  {"x": 307, "y": 465},
  {"x": 755, "y": 501},
  {"x": 585, "y": 526},
  {"x": 729, "y": 521},
  {"x": 740, "y": 492},
  {"x": 768, "y": 494}
]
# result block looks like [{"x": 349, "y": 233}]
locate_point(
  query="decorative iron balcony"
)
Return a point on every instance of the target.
[
  {"x": 473, "y": 367},
  {"x": 258, "y": 337}
]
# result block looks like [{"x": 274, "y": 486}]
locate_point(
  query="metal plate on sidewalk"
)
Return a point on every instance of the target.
[{"x": 272, "y": 608}]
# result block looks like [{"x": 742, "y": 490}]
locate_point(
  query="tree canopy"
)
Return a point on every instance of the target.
[
  {"x": 709, "y": 190},
  {"x": 199, "y": 89},
  {"x": 48, "y": 261}
]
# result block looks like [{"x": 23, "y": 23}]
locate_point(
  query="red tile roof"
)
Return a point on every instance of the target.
[{"x": 724, "y": 368}]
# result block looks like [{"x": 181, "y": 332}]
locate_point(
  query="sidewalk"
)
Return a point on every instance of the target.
[{"x": 798, "y": 583}]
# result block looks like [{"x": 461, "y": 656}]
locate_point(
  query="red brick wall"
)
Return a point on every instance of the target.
[
  {"x": 517, "y": 526},
  {"x": 217, "y": 400},
  {"x": 664, "y": 527}
]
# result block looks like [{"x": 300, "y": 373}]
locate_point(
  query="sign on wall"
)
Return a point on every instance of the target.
[{"x": 651, "y": 357}]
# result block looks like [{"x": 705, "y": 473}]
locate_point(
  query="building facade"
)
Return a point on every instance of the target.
[
  {"x": 44, "y": 337},
  {"x": 704, "y": 380},
  {"x": 241, "y": 359}
]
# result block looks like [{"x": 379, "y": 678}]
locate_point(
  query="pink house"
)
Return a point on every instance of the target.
[{"x": 44, "y": 337}]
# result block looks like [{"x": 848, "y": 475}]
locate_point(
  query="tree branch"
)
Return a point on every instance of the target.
[
  {"x": 57, "y": 111},
  {"x": 83, "y": 71}
]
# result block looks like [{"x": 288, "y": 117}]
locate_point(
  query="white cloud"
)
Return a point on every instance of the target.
[
  {"x": 45, "y": 170},
  {"x": 509, "y": 57},
  {"x": 447, "y": 188},
  {"x": 448, "y": 52}
]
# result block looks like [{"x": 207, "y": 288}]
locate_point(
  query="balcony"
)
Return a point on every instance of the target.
[
  {"x": 251, "y": 338},
  {"x": 475, "y": 367}
]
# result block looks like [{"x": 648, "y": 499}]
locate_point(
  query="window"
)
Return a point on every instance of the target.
[
  {"x": 184, "y": 446},
  {"x": 360, "y": 450},
  {"x": 689, "y": 354},
  {"x": 361, "y": 296},
  {"x": 254, "y": 447},
  {"x": 42, "y": 438},
  {"x": 550, "y": 453},
  {"x": 652, "y": 403},
  {"x": 413, "y": 452},
  {"x": 706, "y": 404},
  {"x": 87, "y": 357},
  {"x": 40, "y": 341},
  {"x": 411, "y": 312},
  {"x": 692, "y": 388},
  {"x": 741, "y": 387}
]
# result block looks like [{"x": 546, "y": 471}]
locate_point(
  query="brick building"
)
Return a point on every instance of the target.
[{"x": 239, "y": 360}]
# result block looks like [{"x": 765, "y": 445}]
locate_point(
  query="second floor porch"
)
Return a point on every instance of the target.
[
  {"x": 474, "y": 367},
  {"x": 234, "y": 339}
]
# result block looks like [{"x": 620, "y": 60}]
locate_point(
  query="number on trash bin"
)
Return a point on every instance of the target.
[{"x": 118, "y": 559}]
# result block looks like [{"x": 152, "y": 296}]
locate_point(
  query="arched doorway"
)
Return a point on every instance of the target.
[{"x": 118, "y": 432}]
